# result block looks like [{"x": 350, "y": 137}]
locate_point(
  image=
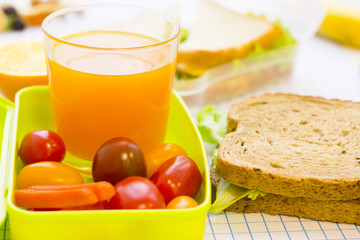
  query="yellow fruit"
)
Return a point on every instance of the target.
[
  {"x": 22, "y": 64},
  {"x": 342, "y": 23}
]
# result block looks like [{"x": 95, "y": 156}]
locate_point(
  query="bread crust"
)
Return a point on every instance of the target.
[
  {"x": 337, "y": 178},
  {"x": 333, "y": 211},
  {"x": 330, "y": 210}
]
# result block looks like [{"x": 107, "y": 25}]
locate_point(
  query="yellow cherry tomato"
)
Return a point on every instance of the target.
[
  {"x": 159, "y": 154},
  {"x": 182, "y": 202},
  {"x": 48, "y": 173}
]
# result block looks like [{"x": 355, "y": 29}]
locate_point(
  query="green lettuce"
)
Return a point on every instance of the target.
[
  {"x": 184, "y": 76},
  {"x": 211, "y": 124},
  {"x": 286, "y": 39},
  {"x": 227, "y": 194},
  {"x": 214, "y": 157},
  {"x": 184, "y": 34},
  {"x": 212, "y": 127}
]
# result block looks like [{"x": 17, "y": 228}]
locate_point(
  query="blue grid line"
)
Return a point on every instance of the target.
[
  {"x": 284, "y": 227},
  {"x": 347, "y": 238},
  {"x": 307, "y": 236},
  {"x": 274, "y": 221},
  {"x": 227, "y": 220},
  {"x": 323, "y": 230},
  {"x": 292, "y": 221},
  {"x": 278, "y": 231},
  {"x": 212, "y": 230},
  {"x": 248, "y": 227},
  {"x": 356, "y": 226},
  {"x": 337, "y": 224},
  {"x": 267, "y": 229}
]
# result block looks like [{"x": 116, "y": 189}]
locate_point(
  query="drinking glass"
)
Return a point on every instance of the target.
[{"x": 111, "y": 69}]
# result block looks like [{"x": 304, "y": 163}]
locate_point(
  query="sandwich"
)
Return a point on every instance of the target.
[
  {"x": 220, "y": 35},
  {"x": 289, "y": 154}
]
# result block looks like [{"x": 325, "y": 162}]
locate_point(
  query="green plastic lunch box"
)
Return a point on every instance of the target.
[{"x": 31, "y": 111}]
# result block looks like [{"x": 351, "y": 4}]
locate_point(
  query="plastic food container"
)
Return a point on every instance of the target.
[
  {"x": 32, "y": 111},
  {"x": 301, "y": 17}
]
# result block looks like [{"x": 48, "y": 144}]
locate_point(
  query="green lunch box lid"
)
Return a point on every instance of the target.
[{"x": 6, "y": 116}]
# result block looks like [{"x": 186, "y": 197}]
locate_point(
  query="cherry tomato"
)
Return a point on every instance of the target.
[
  {"x": 117, "y": 159},
  {"x": 159, "y": 154},
  {"x": 177, "y": 176},
  {"x": 48, "y": 173},
  {"x": 182, "y": 202},
  {"x": 42, "y": 145},
  {"x": 136, "y": 193}
]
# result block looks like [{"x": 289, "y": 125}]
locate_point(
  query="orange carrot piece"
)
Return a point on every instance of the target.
[
  {"x": 104, "y": 191},
  {"x": 65, "y": 198}
]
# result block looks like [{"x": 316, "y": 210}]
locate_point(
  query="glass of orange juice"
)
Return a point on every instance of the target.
[{"x": 111, "y": 69}]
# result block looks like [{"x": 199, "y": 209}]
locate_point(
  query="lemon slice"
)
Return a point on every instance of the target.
[{"x": 22, "y": 64}]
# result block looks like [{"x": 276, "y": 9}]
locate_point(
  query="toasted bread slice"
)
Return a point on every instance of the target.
[
  {"x": 295, "y": 146},
  {"x": 334, "y": 211},
  {"x": 220, "y": 35}
]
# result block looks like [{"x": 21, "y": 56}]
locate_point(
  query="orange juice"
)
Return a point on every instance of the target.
[{"x": 97, "y": 95}]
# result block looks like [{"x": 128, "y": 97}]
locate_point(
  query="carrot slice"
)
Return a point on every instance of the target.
[
  {"x": 65, "y": 198},
  {"x": 104, "y": 191}
]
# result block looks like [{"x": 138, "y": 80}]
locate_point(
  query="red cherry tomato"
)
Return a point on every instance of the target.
[
  {"x": 182, "y": 202},
  {"x": 159, "y": 154},
  {"x": 42, "y": 145},
  {"x": 48, "y": 173},
  {"x": 117, "y": 159},
  {"x": 136, "y": 193},
  {"x": 177, "y": 176}
]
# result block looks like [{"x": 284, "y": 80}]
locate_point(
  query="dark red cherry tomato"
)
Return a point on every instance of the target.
[
  {"x": 176, "y": 177},
  {"x": 40, "y": 146},
  {"x": 117, "y": 159},
  {"x": 136, "y": 193}
]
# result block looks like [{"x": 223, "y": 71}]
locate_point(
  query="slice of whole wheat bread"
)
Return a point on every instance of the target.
[
  {"x": 295, "y": 146},
  {"x": 330, "y": 210}
]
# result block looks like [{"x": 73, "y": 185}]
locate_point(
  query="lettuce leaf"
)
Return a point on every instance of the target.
[
  {"x": 211, "y": 124},
  {"x": 214, "y": 157},
  {"x": 184, "y": 76},
  {"x": 285, "y": 40},
  {"x": 184, "y": 34},
  {"x": 227, "y": 194},
  {"x": 212, "y": 127}
]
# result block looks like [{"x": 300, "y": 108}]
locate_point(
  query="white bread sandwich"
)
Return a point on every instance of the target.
[
  {"x": 292, "y": 155},
  {"x": 220, "y": 35}
]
